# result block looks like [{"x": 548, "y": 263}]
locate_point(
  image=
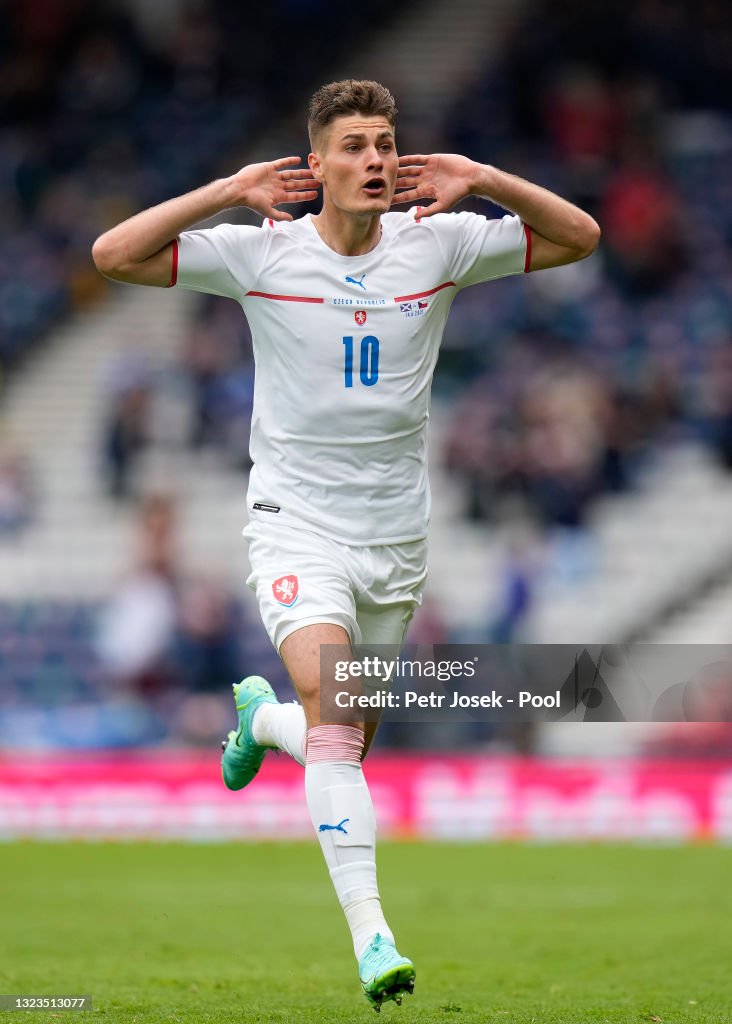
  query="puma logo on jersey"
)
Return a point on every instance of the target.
[{"x": 359, "y": 283}]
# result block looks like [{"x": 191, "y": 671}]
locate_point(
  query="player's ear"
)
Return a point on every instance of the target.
[{"x": 315, "y": 165}]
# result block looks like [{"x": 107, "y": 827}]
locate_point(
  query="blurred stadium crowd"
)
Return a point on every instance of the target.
[
  {"x": 626, "y": 111},
  {"x": 561, "y": 385}
]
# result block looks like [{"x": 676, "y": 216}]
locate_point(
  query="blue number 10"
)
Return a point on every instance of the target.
[{"x": 369, "y": 369}]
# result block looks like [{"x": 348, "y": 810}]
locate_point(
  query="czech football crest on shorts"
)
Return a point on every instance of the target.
[
  {"x": 360, "y": 317},
  {"x": 285, "y": 590}
]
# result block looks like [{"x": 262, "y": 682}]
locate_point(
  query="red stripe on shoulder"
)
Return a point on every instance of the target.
[
  {"x": 527, "y": 261},
  {"x": 284, "y": 298},
  {"x": 174, "y": 266},
  {"x": 270, "y": 222},
  {"x": 422, "y": 295}
]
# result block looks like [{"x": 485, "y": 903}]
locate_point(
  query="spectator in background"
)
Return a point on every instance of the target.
[
  {"x": 641, "y": 213},
  {"x": 218, "y": 361},
  {"x": 717, "y": 402},
  {"x": 563, "y": 414},
  {"x": 17, "y": 495},
  {"x": 543, "y": 438},
  {"x": 128, "y": 389},
  {"x": 138, "y": 625},
  {"x": 476, "y": 446},
  {"x": 207, "y": 642},
  {"x": 522, "y": 565},
  {"x": 584, "y": 118},
  {"x": 203, "y": 362},
  {"x": 171, "y": 637}
]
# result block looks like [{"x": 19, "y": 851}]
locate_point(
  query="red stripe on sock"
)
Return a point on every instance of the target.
[{"x": 339, "y": 744}]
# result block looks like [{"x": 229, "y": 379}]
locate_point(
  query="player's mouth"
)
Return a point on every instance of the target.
[{"x": 375, "y": 187}]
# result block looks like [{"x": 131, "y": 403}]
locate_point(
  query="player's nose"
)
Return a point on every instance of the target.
[{"x": 375, "y": 161}]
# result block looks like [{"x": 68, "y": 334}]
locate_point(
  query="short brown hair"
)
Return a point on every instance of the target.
[{"x": 348, "y": 97}]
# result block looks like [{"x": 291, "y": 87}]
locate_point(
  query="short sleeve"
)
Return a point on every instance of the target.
[
  {"x": 478, "y": 249},
  {"x": 224, "y": 260}
]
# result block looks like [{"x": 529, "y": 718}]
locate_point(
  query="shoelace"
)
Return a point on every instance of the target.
[{"x": 381, "y": 953}]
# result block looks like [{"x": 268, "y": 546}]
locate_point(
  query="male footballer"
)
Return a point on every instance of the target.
[{"x": 347, "y": 310}]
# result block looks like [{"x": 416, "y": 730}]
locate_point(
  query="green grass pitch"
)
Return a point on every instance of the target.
[{"x": 504, "y": 933}]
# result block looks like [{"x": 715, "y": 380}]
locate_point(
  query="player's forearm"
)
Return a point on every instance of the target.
[
  {"x": 142, "y": 236},
  {"x": 546, "y": 213}
]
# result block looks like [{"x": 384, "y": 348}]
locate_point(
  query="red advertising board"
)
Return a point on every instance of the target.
[{"x": 426, "y": 796}]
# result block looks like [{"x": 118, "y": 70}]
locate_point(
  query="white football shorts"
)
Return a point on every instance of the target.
[{"x": 302, "y": 578}]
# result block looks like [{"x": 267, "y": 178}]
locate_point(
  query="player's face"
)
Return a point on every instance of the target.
[{"x": 357, "y": 164}]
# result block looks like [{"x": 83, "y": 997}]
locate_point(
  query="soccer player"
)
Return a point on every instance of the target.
[{"x": 347, "y": 310}]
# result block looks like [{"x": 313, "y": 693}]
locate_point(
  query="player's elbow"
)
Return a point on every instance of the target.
[
  {"x": 107, "y": 258},
  {"x": 103, "y": 256},
  {"x": 588, "y": 237}
]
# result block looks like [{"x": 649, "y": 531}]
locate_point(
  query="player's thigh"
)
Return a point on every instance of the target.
[
  {"x": 382, "y": 627},
  {"x": 386, "y": 608},
  {"x": 301, "y": 653}
]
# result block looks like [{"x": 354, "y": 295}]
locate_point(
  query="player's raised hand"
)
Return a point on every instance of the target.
[
  {"x": 267, "y": 185},
  {"x": 445, "y": 178}
]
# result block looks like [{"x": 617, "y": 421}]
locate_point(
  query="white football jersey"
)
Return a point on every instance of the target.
[{"x": 345, "y": 348}]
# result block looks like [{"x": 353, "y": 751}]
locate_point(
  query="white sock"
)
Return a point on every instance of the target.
[
  {"x": 338, "y": 797},
  {"x": 282, "y": 726}
]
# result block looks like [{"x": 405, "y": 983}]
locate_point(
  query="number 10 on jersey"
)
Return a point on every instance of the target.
[{"x": 369, "y": 366}]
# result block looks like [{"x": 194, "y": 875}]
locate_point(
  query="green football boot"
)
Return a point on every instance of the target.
[
  {"x": 384, "y": 974},
  {"x": 243, "y": 756}
]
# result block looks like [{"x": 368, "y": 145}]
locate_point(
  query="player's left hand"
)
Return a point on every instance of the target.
[{"x": 444, "y": 177}]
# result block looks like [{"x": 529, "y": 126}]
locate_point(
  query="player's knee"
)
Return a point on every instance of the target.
[{"x": 308, "y": 691}]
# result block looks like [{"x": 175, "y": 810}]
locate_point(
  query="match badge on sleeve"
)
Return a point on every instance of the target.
[
  {"x": 286, "y": 590},
  {"x": 360, "y": 317}
]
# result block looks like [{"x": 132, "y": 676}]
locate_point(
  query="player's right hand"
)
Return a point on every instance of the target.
[{"x": 264, "y": 186}]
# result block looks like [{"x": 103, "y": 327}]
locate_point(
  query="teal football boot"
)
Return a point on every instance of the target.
[
  {"x": 384, "y": 974},
  {"x": 243, "y": 756}
]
